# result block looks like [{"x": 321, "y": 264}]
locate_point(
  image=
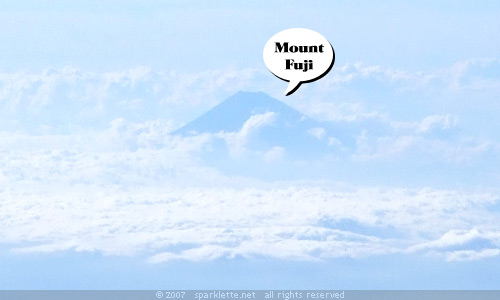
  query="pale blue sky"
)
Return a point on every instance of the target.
[
  {"x": 172, "y": 34},
  {"x": 96, "y": 191}
]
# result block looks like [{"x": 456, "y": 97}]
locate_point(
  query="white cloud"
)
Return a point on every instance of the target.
[
  {"x": 236, "y": 141},
  {"x": 333, "y": 111},
  {"x": 415, "y": 144},
  {"x": 334, "y": 142},
  {"x": 463, "y": 245},
  {"x": 471, "y": 255},
  {"x": 469, "y": 74},
  {"x": 162, "y": 203},
  {"x": 317, "y": 132},
  {"x": 359, "y": 93},
  {"x": 274, "y": 154},
  {"x": 435, "y": 121},
  {"x": 369, "y": 148},
  {"x": 129, "y": 188},
  {"x": 68, "y": 97},
  {"x": 450, "y": 238},
  {"x": 430, "y": 123}
]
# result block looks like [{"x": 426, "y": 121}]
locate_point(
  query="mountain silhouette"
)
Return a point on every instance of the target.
[
  {"x": 266, "y": 123},
  {"x": 256, "y": 135},
  {"x": 231, "y": 114}
]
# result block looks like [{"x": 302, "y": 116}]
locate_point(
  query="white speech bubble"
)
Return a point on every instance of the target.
[{"x": 298, "y": 55}]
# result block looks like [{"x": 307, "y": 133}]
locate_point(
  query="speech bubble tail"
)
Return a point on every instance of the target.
[{"x": 292, "y": 87}]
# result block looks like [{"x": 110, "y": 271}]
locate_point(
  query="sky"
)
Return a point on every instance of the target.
[{"x": 98, "y": 192}]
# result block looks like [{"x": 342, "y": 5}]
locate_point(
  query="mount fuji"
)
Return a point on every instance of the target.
[
  {"x": 253, "y": 134},
  {"x": 260, "y": 123}
]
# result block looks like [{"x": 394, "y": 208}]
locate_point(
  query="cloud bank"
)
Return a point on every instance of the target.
[{"x": 87, "y": 163}]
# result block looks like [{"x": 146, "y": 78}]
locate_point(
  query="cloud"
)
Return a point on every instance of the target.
[
  {"x": 67, "y": 98},
  {"x": 471, "y": 255},
  {"x": 424, "y": 116},
  {"x": 236, "y": 141},
  {"x": 274, "y": 154},
  {"x": 431, "y": 123},
  {"x": 97, "y": 170},
  {"x": 462, "y": 245},
  {"x": 468, "y": 74},
  {"x": 422, "y": 148},
  {"x": 441, "y": 122},
  {"x": 343, "y": 111},
  {"x": 317, "y": 132},
  {"x": 162, "y": 203},
  {"x": 359, "y": 93},
  {"x": 450, "y": 238},
  {"x": 61, "y": 99}
]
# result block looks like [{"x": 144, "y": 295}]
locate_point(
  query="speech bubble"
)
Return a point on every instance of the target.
[{"x": 298, "y": 55}]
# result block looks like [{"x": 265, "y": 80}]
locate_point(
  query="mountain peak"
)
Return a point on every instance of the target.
[
  {"x": 232, "y": 113},
  {"x": 257, "y": 124}
]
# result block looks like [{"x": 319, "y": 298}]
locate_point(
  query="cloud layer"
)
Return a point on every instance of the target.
[
  {"x": 87, "y": 163},
  {"x": 136, "y": 190},
  {"x": 300, "y": 222}
]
